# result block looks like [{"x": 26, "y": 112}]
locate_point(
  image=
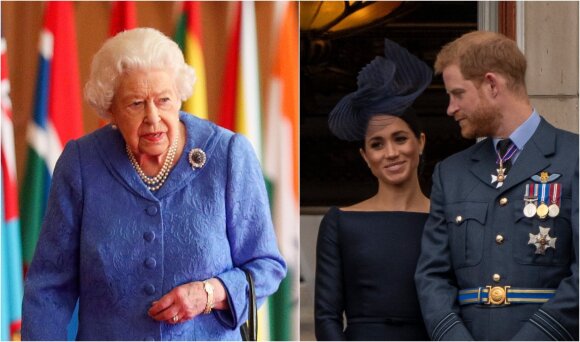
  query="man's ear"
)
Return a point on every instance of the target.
[{"x": 495, "y": 82}]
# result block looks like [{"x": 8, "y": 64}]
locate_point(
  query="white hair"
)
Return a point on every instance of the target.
[{"x": 140, "y": 48}]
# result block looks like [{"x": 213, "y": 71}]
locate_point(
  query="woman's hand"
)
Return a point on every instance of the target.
[{"x": 187, "y": 301}]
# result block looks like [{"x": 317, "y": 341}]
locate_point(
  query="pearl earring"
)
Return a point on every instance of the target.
[{"x": 113, "y": 126}]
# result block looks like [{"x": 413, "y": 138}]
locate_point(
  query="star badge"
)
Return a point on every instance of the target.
[
  {"x": 499, "y": 178},
  {"x": 542, "y": 240}
]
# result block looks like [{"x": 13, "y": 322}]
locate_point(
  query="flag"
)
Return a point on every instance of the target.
[
  {"x": 227, "y": 112},
  {"x": 240, "y": 108},
  {"x": 11, "y": 254},
  {"x": 188, "y": 36},
  {"x": 57, "y": 117},
  {"x": 123, "y": 17},
  {"x": 281, "y": 167}
]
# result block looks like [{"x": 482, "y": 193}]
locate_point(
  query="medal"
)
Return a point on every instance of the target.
[
  {"x": 500, "y": 174},
  {"x": 530, "y": 210},
  {"x": 500, "y": 177},
  {"x": 530, "y": 199},
  {"x": 542, "y": 240},
  {"x": 501, "y": 170},
  {"x": 543, "y": 210},
  {"x": 555, "y": 193},
  {"x": 553, "y": 210}
]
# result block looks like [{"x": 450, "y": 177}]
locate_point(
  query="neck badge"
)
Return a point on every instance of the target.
[
  {"x": 542, "y": 240},
  {"x": 500, "y": 177},
  {"x": 501, "y": 170}
]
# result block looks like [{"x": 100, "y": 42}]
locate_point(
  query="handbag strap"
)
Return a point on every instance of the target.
[{"x": 252, "y": 311}]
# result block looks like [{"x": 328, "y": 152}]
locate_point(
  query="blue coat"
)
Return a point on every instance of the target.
[
  {"x": 117, "y": 247},
  {"x": 476, "y": 231}
]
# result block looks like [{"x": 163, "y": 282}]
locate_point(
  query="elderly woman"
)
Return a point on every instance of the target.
[{"x": 152, "y": 219}]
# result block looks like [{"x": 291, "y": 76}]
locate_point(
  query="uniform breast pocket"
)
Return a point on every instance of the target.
[
  {"x": 466, "y": 226},
  {"x": 555, "y": 236}
]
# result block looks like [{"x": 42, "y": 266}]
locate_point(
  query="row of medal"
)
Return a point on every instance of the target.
[{"x": 542, "y": 200}]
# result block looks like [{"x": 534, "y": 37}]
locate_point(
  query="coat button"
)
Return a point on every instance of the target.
[
  {"x": 149, "y": 289},
  {"x": 499, "y": 239},
  {"x": 150, "y": 263},
  {"x": 149, "y": 236},
  {"x": 503, "y": 201},
  {"x": 458, "y": 219},
  {"x": 496, "y": 277},
  {"x": 152, "y": 210}
]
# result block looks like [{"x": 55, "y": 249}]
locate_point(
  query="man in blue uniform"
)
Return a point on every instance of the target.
[{"x": 499, "y": 256}]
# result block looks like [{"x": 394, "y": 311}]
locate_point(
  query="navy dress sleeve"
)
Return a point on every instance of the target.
[{"x": 328, "y": 296}]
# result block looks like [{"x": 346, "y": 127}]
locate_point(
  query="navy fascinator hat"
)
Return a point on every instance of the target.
[{"x": 387, "y": 85}]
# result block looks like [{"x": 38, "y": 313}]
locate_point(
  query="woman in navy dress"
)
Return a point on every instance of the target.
[{"x": 367, "y": 252}]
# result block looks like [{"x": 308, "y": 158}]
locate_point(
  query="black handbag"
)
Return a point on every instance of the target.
[{"x": 249, "y": 329}]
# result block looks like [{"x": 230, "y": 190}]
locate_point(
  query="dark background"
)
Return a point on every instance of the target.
[{"x": 332, "y": 172}]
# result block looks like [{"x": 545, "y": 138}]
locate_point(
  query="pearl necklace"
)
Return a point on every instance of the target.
[{"x": 155, "y": 182}]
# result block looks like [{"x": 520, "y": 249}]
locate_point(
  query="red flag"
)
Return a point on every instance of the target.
[
  {"x": 123, "y": 17},
  {"x": 8, "y": 155},
  {"x": 65, "y": 106},
  {"x": 227, "y": 111}
]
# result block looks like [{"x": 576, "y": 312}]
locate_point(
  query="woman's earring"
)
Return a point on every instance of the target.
[{"x": 113, "y": 126}]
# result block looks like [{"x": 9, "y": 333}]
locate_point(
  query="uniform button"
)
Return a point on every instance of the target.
[
  {"x": 503, "y": 201},
  {"x": 152, "y": 210},
  {"x": 149, "y": 289},
  {"x": 149, "y": 236},
  {"x": 458, "y": 219},
  {"x": 499, "y": 239},
  {"x": 150, "y": 262},
  {"x": 496, "y": 277}
]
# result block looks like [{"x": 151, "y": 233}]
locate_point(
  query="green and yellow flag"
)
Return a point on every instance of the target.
[{"x": 189, "y": 37}]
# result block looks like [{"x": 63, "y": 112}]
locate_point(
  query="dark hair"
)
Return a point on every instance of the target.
[{"x": 410, "y": 118}]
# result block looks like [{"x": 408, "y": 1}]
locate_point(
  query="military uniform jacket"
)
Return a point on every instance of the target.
[{"x": 477, "y": 235}]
